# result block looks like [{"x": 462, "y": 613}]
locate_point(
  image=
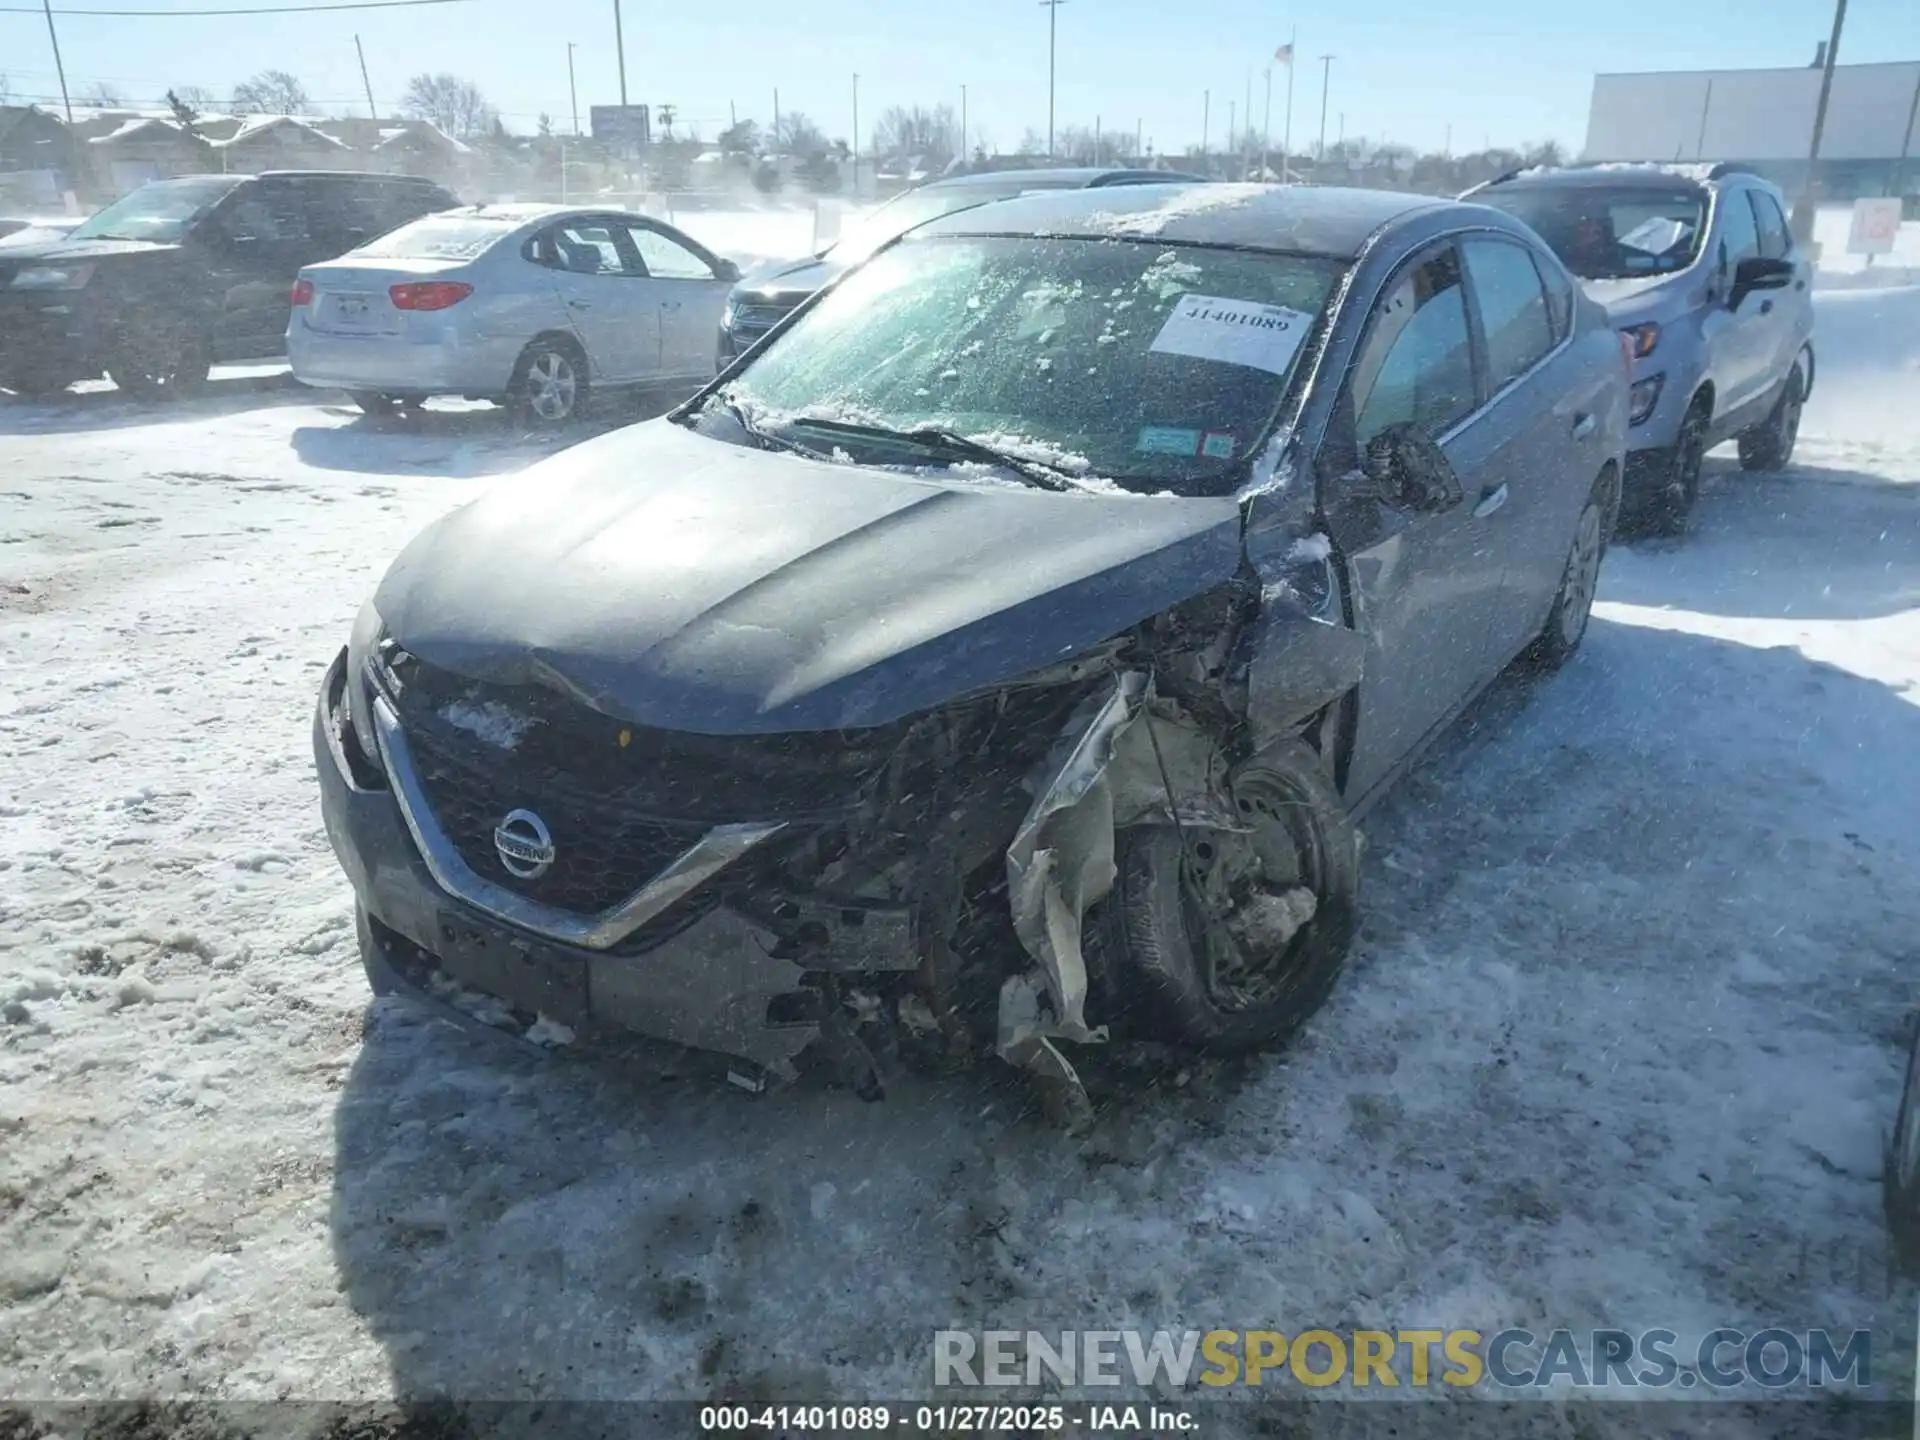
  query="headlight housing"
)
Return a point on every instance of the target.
[
  {"x": 53, "y": 277},
  {"x": 367, "y": 629},
  {"x": 1641, "y": 339}
]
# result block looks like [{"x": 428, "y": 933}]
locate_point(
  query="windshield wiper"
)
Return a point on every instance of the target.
[
  {"x": 951, "y": 442},
  {"x": 745, "y": 421}
]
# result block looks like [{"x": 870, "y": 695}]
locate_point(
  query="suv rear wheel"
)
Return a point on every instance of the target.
[
  {"x": 1769, "y": 445},
  {"x": 161, "y": 364}
]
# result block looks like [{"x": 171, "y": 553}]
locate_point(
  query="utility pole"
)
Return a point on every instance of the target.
[
  {"x": 573, "y": 92},
  {"x": 1906, "y": 145},
  {"x": 1803, "y": 211},
  {"x": 372, "y": 109},
  {"x": 1326, "y": 83},
  {"x": 620, "y": 51},
  {"x": 1138, "y": 125},
  {"x": 1226, "y": 154},
  {"x": 1052, "y": 7},
  {"x": 1239, "y": 137},
  {"x": 58, "y": 63},
  {"x": 776, "y": 119},
  {"x": 964, "y": 152},
  {"x": 1206, "y": 116},
  {"x": 856, "y": 134}
]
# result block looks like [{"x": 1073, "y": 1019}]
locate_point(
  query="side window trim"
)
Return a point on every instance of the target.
[{"x": 1482, "y": 364}]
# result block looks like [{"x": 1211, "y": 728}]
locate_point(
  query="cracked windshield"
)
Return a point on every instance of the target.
[{"x": 1026, "y": 720}]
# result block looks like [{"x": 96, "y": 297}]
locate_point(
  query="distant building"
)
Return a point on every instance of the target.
[{"x": 1764, "y": 118}]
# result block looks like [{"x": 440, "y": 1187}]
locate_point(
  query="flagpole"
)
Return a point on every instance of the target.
[
  {"x": 1266, "y": 126},
  {"x": 1286, "y": 143}
]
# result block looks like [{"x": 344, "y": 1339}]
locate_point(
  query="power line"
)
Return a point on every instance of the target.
[{"x": 241, "y": 10}]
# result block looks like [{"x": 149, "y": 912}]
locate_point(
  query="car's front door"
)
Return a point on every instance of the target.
[
  {"x": 1743, "y": 340},
  {"x": 1423, "y": 586},
  {"x": 1789, "y": 311},
  {"x": 609, "y": 302},
  {"x": 690, "y": 296},
  {"x": 1542, "y": 422}
]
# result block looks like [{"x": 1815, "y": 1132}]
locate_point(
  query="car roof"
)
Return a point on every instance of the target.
[
  {"x": 1312, "y": 220},
  {"x": 1049, "y": 177},
  {"x": 1603, "y": 176}
]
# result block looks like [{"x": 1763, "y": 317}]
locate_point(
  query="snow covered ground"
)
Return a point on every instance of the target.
[{"x": 1617, "y": 1045}]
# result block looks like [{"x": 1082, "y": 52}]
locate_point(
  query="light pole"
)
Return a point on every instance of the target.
[
  {"x": 856, "y": 134},
  {"x": 1266, "y": 125},
  {"x": 573, "y": 92},
  {"x": 1052, "y": 7},
  {"x": 620, "y": 52},
  {"x": 1286, "y": 138},
  {"x": 1803, "y": 211},
  {"x": 1206, "y": 119},
  {"x": 1326, "y": 82},
  {"x": 963, "y": 123},
  {"x": 58, "y": 63}
]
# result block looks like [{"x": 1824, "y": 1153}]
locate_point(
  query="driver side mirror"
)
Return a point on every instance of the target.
[
  {"x": 1407, "y": 470},
  {"x": 1758, "y": 272},
  {"x": 726, "y": 270}
]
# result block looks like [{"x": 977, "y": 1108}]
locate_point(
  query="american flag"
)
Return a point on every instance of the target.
[{"x": 1284, "y": 54}]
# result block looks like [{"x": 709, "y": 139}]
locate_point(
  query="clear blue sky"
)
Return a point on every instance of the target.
[{"x": 1518, "y": 70}]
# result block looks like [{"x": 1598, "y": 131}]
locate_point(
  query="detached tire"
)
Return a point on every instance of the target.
[
  {"x": 549, "y": 384},
  {"x": 1769, "y": 445},
  {"x": 1199, "y": 942}
]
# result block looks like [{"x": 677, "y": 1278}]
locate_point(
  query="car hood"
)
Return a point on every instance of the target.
[
  {"x": 1634, "y": 298},
  {"x": 791, "y": 283},
  {"x": 686, "y": 583},
  {"x": 54, "y": 251}
]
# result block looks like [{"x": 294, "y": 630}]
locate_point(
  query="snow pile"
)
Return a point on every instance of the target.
[{"x": 1867, "y": 387}]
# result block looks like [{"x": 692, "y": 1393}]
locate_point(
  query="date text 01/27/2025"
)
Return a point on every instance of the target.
[{"x": 795, "y": 1420}]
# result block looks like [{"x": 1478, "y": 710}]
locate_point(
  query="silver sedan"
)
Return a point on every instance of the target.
[{"x": 529, "y": 305}]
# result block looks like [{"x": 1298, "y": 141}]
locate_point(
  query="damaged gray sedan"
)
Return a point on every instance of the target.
[{"x": 996, "y": 659}]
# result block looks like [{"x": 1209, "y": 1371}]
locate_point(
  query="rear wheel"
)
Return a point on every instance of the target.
[
  {"x": 1672, "y": 508},
  {"x": 1566, "y": 623},
  {"x": 549, "y": 384},
  {"x": 161, "y": 364},
  {"x": 1229, "y": 941},
  {"x": 1769, "y": 445}
]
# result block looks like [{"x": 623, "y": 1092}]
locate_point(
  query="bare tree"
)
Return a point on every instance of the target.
[
  {"x": 102, "y": 96},
  {"x": 666, "y": 114},
  {"x": 6, "y": 90},
  {"x": 906, "y": 133},
  {"x": 741, "y": 138},
  {"x": 454, "y": 104},
  {"x": 197, "y": 97},
  {"x": 797, "y": 134},
  {"x": 1032, "y": 142},
  {"x": 271, "y": 92}
]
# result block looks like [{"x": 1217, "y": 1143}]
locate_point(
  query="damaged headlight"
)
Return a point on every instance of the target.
[{"x": 359, "y": 694}]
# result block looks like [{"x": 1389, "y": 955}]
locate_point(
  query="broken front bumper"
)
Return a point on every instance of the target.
[{"x": 717, "y": 984}]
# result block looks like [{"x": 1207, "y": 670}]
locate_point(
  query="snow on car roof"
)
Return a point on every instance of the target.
[{"x": 1317, "y": 220}]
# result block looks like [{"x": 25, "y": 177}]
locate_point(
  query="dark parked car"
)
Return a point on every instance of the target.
[
  {"x": 165, "y": 281},
  {"x": 1700, "y": 274},
  {"x": 1001, "y": 652},
  {"x": 760, "y": 302}
]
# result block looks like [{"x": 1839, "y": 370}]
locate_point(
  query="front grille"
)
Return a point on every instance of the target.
[
  {"x": 752, "y": 320},
  {"x": 622, "y": 801},
  {"x": 602, "y": 854}
]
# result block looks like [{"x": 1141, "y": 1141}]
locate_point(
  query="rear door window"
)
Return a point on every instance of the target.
[
  {"x": 1513, "y": 309},
  {"x": 1559, "y": 296},
  {"x": 1416, "y": 364},
  {"x": 269, "y": 213}
]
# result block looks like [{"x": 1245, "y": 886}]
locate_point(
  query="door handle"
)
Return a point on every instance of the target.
[
  {"x": 1583, "y": 426},
  {"x": 1490, "y": 501},
  {"x": 1766, "y": 307}
]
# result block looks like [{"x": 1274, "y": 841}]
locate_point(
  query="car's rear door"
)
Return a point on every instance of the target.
[
  {"x": 1543, "y": 441},
  {"x": 1742, "y": 341},
  {"x": 1423, "y": 587},
  {"x": 254, "y": 245},
  {"x": 1789, "y": 311},
  {"x": 690, "y": 297}
]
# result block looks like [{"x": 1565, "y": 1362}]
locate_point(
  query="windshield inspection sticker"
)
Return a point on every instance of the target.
[
  {"x": 1234, "y": 332},
  {"x": 1167, "y": 440},
  {"x": 1218, "y": 445}
]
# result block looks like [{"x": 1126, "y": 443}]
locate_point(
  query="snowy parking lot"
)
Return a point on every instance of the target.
[{"x": 1617, "y": 1046}]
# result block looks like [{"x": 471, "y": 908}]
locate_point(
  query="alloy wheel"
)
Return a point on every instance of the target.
[
  {"x": 1582, "y": 578},
  {"x": 552, "y": 387}
]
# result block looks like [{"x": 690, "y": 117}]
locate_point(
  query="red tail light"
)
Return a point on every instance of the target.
[
  {"x": 428, "y": 294},
  {"x": 302, "y": 293}
]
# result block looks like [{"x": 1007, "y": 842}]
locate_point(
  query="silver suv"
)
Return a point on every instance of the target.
[{"x": 1698, "y": 271}]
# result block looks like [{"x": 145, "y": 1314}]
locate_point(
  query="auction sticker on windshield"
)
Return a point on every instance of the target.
[{"x": 1234, "y": 332}]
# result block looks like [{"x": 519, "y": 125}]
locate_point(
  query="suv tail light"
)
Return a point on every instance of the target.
[
  {"x": 428, "y": 294},
  {"x": 302, "y": 293}
]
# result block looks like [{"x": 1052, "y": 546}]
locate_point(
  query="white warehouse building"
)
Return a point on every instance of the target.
[{"x": 1764, "y": 118}]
